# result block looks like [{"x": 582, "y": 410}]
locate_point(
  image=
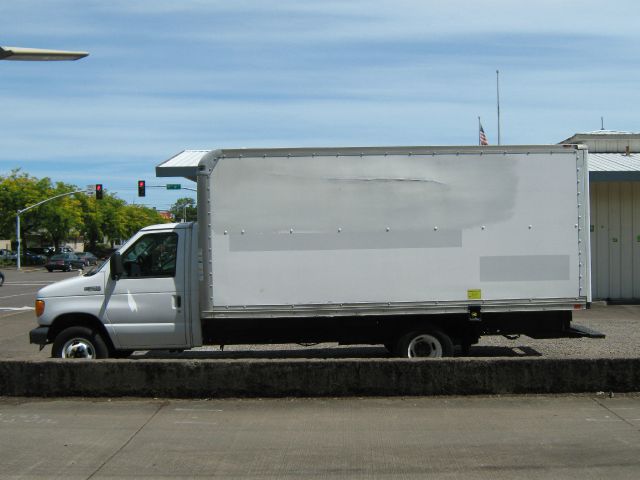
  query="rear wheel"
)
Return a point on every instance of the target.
[
  {"x": 424, "y": 342},
  {"x": 79, "y": 342}
]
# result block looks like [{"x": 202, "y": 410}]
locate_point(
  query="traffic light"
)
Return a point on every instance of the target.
[
  {"x": 141, "y": 186},
  {"x": 98, "y": 191}
]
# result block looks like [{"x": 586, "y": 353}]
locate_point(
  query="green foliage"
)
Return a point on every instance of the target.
[
  {"x": 182, "y": 206},
  {"x": 17, "y": 191},
  {"x": 69, "y": 216},
  {"x": 61, "y": 218},
  {"x": 138, "y": 216}
]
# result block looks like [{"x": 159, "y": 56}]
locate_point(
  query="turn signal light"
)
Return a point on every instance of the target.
[{"x": 39, "y": 307}]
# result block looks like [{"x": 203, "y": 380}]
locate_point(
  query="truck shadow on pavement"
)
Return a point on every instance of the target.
[{"x": 373, "y": 352}]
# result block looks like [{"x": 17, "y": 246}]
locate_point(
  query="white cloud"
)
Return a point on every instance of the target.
[{"x": 164, "y": 75}]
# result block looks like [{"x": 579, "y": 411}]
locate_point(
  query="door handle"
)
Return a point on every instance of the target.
[{"x": 178, "y": 301}]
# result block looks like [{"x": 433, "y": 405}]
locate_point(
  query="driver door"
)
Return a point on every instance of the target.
[{"x": 144, "y": 307}]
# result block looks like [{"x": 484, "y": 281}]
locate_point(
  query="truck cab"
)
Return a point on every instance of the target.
[{"x": 142, "y": 298}]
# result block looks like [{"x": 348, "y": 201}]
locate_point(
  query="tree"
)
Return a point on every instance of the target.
[
  {"x": 112, "y": 218},
  {"x": 137, "y": 216},
  {"x": 182, "y": 206},
  {"x": 19, "y": 190},
  {"x": 61, "y": 218},
  {"x": 108, "y": 219},
  {"x": 91, "y": 228}
]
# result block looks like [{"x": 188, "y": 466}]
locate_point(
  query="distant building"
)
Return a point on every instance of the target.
[
  {"x": 614, "y": 181},
  {"x": 166, "y": 214}
]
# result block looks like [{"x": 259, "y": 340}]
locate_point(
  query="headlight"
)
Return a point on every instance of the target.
[{"x": 39, "y": 307}]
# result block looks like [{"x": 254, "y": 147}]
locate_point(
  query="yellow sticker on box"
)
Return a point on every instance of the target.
[{"x": 474, "y": 294}]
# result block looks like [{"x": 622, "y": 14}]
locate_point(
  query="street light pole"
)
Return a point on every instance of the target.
[
  {"x": 18, "y": 239},
  {"x": 37, "y": 55}
]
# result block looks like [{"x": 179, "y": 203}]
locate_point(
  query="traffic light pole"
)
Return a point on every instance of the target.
[{"x": 20, "y": 212}]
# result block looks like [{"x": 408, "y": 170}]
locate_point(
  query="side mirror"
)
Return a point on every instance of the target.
[{"x": 115, "y": 264}]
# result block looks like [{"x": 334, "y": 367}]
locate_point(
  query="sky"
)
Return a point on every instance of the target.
[{"x": 167, "y": 75}]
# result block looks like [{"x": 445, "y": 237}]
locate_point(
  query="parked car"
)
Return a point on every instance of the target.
[
  {"x": 88, "y": 258},
  {"x": 32, "y": 258},
  {"x": 65, "y": 262},
  {"x": 7, "y": 254},
  {"x": 45, "y": 251}
]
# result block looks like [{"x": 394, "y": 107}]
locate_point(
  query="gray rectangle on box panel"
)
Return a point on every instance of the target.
[
  {"x": 520, "y": 268},
  {"x": 344, "y": 241}
]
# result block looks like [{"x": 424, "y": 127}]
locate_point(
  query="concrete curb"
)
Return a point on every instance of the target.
[{"x": 314, "y": 378}]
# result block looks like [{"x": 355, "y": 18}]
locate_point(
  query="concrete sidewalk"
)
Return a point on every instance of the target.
[{"x": 524, "y": 437}]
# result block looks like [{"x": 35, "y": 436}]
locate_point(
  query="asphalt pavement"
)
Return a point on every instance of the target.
[
  {"x": 17, "y": 316},
  {"x": 20, "y": 287}
]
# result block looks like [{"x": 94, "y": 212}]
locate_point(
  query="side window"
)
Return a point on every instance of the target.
[{"x": 153, "y": 255}]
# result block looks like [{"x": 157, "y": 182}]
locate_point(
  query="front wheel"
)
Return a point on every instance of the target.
[
  {"x": 79, "y": 342},
  {"x": 424, "y": 342}
]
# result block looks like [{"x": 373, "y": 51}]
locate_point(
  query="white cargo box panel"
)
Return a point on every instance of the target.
[{"x": 393, "y": 230}]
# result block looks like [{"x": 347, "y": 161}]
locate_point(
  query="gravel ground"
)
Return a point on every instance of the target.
[{"x": 620, "y": 324}]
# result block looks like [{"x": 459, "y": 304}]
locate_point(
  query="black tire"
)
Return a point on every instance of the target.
[
  {"x": 49, "y": 270},
  {"x": 1, "y": 279},
  {"x": 79, "y": 342},
  {"x": 425, "y": 341}
]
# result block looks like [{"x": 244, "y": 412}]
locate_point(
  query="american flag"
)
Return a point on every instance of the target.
[{"x": 483, "y": 137}]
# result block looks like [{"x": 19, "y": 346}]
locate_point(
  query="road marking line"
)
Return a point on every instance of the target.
[
  {"x": 195, "y": 423},
  {"x": 18, "y": 295},
  {"x": 12, "y": 314},
  {"x": 197, "y": 410}
]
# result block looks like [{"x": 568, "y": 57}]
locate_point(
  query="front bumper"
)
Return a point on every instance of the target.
[{"x": 39, "y": 336}]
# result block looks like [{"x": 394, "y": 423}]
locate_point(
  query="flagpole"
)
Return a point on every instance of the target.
[
  {"x": 498, "y": 101},
  {"x": 479, "y": 127}
]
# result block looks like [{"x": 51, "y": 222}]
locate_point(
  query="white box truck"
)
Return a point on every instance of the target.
[{"x": 420, "y": 249}]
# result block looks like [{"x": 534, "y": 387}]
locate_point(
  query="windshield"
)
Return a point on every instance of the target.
[{"x": 96, "y": 268}]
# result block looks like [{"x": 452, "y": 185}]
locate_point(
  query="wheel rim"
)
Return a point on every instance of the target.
[
  {"x": 424, "y": 345},
  {"x": 78, "y": 348}
]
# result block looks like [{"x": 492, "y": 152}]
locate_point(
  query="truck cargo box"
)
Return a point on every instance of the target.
[{"x": 393, "y": 230}]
